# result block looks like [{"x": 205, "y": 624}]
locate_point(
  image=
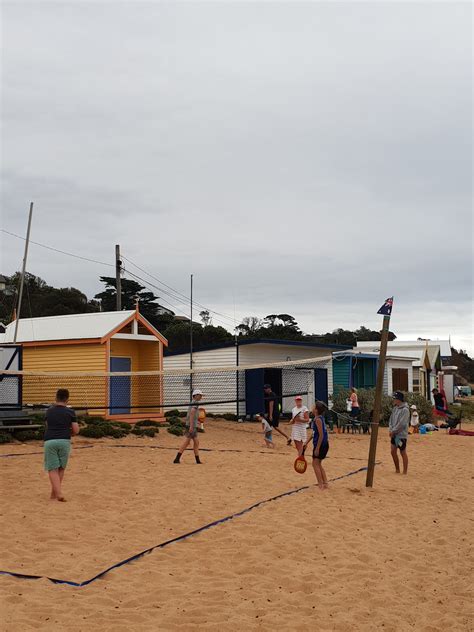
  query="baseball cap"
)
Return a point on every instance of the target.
[
  {"x": 413, "y": 407},
  {"x": 298, "y": 397},
  {"x": 399, "y": 395},
  {"x": 266, "y": 386},
  {"x": 197, "y": 392}
]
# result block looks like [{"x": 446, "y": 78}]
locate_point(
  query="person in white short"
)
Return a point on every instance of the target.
[{"x": 299, "y": 420}]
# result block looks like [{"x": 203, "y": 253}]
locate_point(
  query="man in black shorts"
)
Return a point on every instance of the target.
[
  {"x": 272, "y": 410},
  {"x": 398, "y": 429}
]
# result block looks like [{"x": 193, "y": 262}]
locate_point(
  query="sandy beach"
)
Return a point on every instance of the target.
[{"x": 397, "y": 557}]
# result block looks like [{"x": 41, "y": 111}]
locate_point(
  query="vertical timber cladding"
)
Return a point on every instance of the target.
[{"x": 65, "y": 358}]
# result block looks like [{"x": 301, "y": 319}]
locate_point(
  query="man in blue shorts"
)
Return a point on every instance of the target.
[{"x": 60, "y": 425}]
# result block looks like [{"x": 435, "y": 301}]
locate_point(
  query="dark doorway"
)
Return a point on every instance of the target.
[
  {"x": 321, "y": 385},
  {"x": 400, "y": 379},
  {"x": 254, "y": 396},
  {"x": 120, "y": 386}
]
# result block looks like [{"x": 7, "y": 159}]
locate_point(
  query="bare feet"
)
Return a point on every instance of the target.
[{"x": 61, "y": 499}]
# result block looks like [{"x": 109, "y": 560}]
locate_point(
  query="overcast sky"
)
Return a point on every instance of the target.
[{"x": 309, "y": 158}]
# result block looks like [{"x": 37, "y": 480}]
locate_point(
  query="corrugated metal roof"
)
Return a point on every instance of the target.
[{"x": 69, "y": 327}]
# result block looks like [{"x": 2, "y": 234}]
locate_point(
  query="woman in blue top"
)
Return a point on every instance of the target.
[{"x": 320, "y": 444}]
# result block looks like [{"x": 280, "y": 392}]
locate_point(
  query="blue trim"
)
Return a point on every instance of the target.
[{"x": 255, "y": 341}]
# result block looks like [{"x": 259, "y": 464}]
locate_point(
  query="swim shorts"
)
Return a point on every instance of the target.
[
  {"x": 401, "y": 447},
  {"x": 323, "y": 451},
  {"x": 56, "y": 453}
]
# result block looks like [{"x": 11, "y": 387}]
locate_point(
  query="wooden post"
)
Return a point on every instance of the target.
[
  {"x": 191, "y": 340},
  {"x": 23, "y": 270},
  {"x": 377, "y": 403},
  {"x": 118, "y": 280}
]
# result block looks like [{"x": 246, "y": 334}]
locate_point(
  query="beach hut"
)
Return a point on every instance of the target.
[
  {"x": 359, "y": 369},
  {"x": 81, "y": 348},
  {"x": 243, "y": 391}
]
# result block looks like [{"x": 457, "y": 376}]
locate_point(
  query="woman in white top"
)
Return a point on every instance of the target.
[{"x": 299, "y": 420}]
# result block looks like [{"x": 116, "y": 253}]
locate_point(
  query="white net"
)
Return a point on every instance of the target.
[{"x": 234, "y": 389}]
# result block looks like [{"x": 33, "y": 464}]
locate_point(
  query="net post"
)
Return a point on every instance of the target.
[{"x": 377, "y": 403}]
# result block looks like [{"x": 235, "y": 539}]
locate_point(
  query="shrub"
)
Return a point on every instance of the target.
[
  {"x": 176, "y": 421},
  {"x": 148, "y": 422},
  {"x": 366, "y": 398},
  {"x": 5, "y": 437},
  {"x": 183, "y": 413},
  {"x": 172, "y": 413},
  {"x": 94, "y": 420},
  {"x": 424, "y": 407},
  {"x": 121, "y": 424},
  {"x": 229, "y": 417},
  {"x": 176, "y": 430},
  {"x": 26, "y": 435},
  {"x": 94, "y": 431},
  {"x": 149, "y": 432}
]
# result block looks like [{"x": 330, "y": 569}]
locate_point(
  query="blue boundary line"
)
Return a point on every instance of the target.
[{"x": 179, "y": 538}]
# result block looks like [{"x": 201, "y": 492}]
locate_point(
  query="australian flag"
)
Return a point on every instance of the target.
[{"x": 386, "y": 308}]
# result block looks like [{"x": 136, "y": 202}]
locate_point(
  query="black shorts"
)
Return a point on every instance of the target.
[
  {"x": 274, "y": 423},
  {"x": 403, "y": 447},
  {"x": 323, "y": 451}
]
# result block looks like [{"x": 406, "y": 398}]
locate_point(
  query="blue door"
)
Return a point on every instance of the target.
[
  {"x": 321, "y": 385},
  {"x": 120, "y": 386},
  {"x": 254, "y": 396}
]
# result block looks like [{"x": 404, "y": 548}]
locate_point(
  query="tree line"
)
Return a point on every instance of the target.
[{"x": 41, "y": 299}]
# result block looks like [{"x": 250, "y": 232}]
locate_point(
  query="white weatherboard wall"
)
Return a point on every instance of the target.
[{"x": 223, "y": 388}]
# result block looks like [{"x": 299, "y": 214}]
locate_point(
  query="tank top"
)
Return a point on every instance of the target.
[{"x": 316, "y": 431}]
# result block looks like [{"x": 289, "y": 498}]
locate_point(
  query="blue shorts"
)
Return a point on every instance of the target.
[{"x": 269, "y": 436}]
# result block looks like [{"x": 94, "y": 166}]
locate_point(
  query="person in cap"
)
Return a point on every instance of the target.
[
  {"x": 272, "y": 411},
  {"x": 192, "y": 420},
  {"x": 299, "y": 421},
  {"x": 414, "y": 420},
  {"x": 398, "y": 429}
]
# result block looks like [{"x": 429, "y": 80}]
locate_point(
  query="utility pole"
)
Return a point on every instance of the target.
[
  {"x": 23, "y": 270},
  {"x": 386, "y": 310},
  {"x": 191, "y": 339},
  {"x": 118, "y": 280}
]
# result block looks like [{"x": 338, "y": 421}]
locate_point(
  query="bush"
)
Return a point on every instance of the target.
[
  {"x": 366, "y": 398},
  {"x": 183, "y": 414},
  {"x": 27, "y": 435},
  {"x": 176, "y": 430},
  {"x": 5, "y": 437},
  {"x": 94, "y": 420},
  {"x": 149, "y": 432},
  {"x": 148, "y": 422},
  {"x": 172, "y": 413},
  {"x": 121, "y": 424},
  {"x": 229, "y": 417},
  {"x": 424, "y": 407},
  {"x": 176, "y": 421},
  {"x": 94, "y": 431}
]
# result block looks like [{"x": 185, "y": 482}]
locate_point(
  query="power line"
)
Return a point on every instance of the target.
[
  {"x": 171, "y": 292},
  {"x": 63, "y": 252},
  {"x": 178, "y": 294},
  {"x": 150, "y": 286}
]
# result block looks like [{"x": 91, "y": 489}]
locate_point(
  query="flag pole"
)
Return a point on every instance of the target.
[{"x": 378, "y": 399}]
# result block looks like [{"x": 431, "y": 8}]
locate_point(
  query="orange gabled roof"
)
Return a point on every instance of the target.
[
  {"x": 75, "y": 328},
  {"x": 143, "y": 321}
]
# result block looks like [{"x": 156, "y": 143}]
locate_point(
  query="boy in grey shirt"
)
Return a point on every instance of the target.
[{"x": 398, "y": 429}]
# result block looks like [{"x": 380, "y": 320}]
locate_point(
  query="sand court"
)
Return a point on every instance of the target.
[{"x": 334, "y": 557}]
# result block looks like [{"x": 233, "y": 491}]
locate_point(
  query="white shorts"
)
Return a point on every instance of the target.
[{"x": 298, "y": 432}]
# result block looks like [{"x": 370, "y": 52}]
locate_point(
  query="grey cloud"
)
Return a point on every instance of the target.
[{"x": 295, "y": 155}]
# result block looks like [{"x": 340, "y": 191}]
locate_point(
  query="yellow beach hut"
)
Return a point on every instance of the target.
[{"x": 84, "y": 351}]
